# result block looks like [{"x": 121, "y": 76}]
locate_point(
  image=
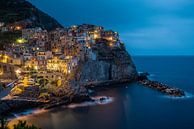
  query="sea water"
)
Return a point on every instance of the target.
[{"x": 132, "y": 106}]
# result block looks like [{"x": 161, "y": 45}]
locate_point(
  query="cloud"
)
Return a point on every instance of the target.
[{"x": 170, "y": 35}]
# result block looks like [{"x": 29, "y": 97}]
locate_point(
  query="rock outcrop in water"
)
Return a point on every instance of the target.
[{"x": 163, "y": 88}]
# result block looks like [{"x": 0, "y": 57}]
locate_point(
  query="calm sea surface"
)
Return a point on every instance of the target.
[{"x": 132, "y": 107}]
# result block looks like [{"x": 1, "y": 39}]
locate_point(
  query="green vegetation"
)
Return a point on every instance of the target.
[
  {"x": 11, "y": 11},
  {"x": 3, "y": 123},
  {"x": 21, "y": 41},
  {"x": 44, "y": 96},
  {"x": 23, "y": 125},
  {"x": 19, "y": 10},
  {"x": 19, "y": 125},
  {"x": 9, "y": 37},
  {"x": 43, "y": 81}
]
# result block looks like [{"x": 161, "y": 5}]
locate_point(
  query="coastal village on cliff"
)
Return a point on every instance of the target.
[
  {"x": 55, "y": 54},
  {"x": 44, "y": 65},
  {"x": 50, "y": 67}
]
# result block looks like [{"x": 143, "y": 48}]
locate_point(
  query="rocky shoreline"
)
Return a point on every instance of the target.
[
  {"x": 108, "y": 84},
  {"x": 16, "y": 105},
  {"x": 9, "y": 106},
  {"x": 163, "y": 88},
  {"x": 66, "y": 101}
]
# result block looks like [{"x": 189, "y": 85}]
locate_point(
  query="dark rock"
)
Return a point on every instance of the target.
[
  {"x": 142, "y": 76},
  {"x": 103, "y": 99},
  {"x": 161, "y": 87},
  {"x": 79, "y": 99},
  {"x": 120, "y": 67},
  {"x": 8, "y": 106}
]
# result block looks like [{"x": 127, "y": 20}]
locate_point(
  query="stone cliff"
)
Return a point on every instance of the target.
[{"x": 113, "y": 64}]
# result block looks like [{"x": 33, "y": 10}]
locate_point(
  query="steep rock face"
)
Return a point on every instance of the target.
[{"x": 121, "y": 67}]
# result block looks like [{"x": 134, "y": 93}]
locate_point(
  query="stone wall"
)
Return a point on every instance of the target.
[{"x": 7, "y": 71}]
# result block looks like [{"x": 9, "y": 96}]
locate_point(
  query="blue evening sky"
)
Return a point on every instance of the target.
[{"x": 148, "y": 27}]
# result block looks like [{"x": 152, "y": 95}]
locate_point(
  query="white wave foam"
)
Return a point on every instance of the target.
[
  {"x": 187, "y": 96},
  {"x": 99, "y": 100},
  {"x": 151, "y": 77},
  {"x": 28, "y": 113}
]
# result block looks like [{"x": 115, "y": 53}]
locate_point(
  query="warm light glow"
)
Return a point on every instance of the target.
[
  {"x": 57, "y": 65},
  {"x": 68, "y": 57},
  {"x": 25, "y": 81},
  {"x": 4, "y": 59},
  {"x": 111, "y": 44},
  {"x": 5, "y": 56},
  {"x": 95, "y": 36},
  {"x": 110, "y": 38},
  {"x": 36, "y": 67},
  {"x": 1, "y": 71},
  {"x": 18, "y": 71},
  {"x": 59, "y": 82},
  {"x": 21, "y": 40},
  {"x": 18, "y": 27}
]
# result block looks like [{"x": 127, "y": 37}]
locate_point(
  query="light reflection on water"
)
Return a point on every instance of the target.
[
  {"x": 96, "y": 101},
  {"x": 134, "y": 106}
]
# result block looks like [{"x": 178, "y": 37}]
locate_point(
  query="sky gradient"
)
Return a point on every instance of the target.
[{"x": 147, "y": 27}]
